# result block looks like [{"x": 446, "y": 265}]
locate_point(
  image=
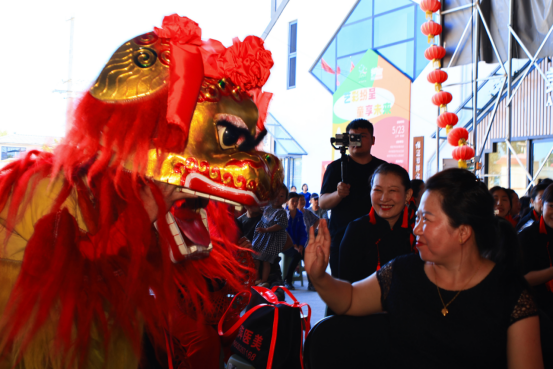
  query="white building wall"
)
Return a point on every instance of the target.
[{"x": 305, "y": 111}]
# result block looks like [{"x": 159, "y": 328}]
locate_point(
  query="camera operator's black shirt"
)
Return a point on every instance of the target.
[{"x": 358, "y": 202}]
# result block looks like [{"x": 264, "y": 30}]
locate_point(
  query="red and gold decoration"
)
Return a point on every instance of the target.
[
  {"x": 430, "y": 6},
  {"x": 435, "y": 53},
  {"x": 437, "y": 77},
  {"x": 88, "y": 262},
  {"x": 441, "y": 99},
  {"x": 431, "y": 29},
  {"x": 463, "y": 152},
  {"x": 447, "y": 120}
]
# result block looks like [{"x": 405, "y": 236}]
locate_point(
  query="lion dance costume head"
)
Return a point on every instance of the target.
[{"x": 82, "y": 268}]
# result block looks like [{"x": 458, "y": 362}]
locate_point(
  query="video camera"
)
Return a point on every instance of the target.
[
  {"x": 345, "y": 140},
  {"x": 342, "y": 142}
]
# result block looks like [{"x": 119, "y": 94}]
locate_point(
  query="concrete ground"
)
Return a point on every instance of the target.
[{"x": 302, "y": 294}]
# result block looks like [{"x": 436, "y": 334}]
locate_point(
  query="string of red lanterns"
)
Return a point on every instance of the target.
[{"x": 455, "y": 136}]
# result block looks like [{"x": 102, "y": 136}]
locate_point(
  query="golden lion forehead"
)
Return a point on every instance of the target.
[{"x": 140, "y": 68}]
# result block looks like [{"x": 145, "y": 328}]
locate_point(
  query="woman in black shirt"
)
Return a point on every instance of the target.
[
  {"x": 384, "y": 234},
  {"x": 452, "y": 305},
  {"x": 537, "y": 246}
]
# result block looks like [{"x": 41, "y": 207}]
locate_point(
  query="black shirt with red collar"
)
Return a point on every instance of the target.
[
  {"x": 537, "y": 247},
  {"x": 370, "y": 243},
  {"x": 527, "y": 221}
]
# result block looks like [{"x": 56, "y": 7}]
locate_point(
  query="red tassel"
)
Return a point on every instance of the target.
[{"x": 116, "y": 266}]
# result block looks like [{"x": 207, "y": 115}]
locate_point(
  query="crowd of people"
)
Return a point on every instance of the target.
[{"x": 472, "y": 264}]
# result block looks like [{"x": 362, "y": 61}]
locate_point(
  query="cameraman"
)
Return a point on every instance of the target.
[{"x": 349, "y": 200}]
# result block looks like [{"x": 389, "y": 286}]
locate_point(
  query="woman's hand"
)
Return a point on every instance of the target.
[{"x": 317, "y": 252}]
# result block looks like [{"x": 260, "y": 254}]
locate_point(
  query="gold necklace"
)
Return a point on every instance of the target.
[{"x": 444, "y": 310}]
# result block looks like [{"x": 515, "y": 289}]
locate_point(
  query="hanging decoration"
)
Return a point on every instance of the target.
[
  {"x": 436, "y": 54},
  {"x": 431, "y": 29},
  {"x": 456, "y": 136},
  {"x": 430, "y": 6},
  {"x": 463, "y": 152},
  {"x": 441, "y": 99},
  {"x": 437, "y": 77},
  {"x": 447, "y": 120}
]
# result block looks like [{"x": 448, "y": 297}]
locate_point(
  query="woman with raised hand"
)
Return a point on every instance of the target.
[
  {"x": 452, "y": 305},
  {"x": 384, "y": 234}
]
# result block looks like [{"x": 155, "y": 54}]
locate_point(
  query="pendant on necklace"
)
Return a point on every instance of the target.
[{"x": 445, "y": 311}]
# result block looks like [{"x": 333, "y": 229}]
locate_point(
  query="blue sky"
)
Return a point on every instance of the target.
[{"x": 35, "y": 59}]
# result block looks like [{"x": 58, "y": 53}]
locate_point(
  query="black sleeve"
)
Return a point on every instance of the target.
[
  {"x": 353, "y": 263},
  {"x": 240, "y": 226},
  {"x": 528, "y": 244},
  {"x": 384, "y": 277},
  {"x": 332, "y": 177}
]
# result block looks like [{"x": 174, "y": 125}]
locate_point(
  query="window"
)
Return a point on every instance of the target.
[
  {"x": 292, "y": 53},
  {"x": 385, "y": 6},
  {"x": 292, "y": 171},
  {"x": 346, "y": 65},
  {"x": 497, "y": 167},
  {"x": 364, "y": 9},
  {"x": 401, "y": 55},
  {"x": 355, "y": 38},
  {"x": 391, "y": 27},
  {"x": 421, "y": 43},
  {"x": 9, "y": 152},
  {"x": 395, "y": 27},
  {"x": 542, "y": 153}
]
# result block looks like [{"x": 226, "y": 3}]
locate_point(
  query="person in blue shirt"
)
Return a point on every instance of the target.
[
  {"x": 306, "y": 194},
  {"x": 296, "y": 230}
]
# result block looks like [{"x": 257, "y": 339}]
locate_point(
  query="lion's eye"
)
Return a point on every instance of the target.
[{"x": 229, "y": 136}]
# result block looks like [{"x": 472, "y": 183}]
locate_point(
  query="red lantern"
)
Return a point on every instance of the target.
[
  {"x": 430, "y": 6},
  {"x": 441, "y": 99},
  {"x": 435, "y": 53},
  {"x": 437, "y": 77},
  {"x": 447, "y": 120},
  {"x": 431, "y": 29},
  {"x": 458, "y": 136},
  {"x": 462, "y": 154}
]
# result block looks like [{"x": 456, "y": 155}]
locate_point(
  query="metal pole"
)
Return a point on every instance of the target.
[
  {"x": 476, "y": 35},
  {"x": 509, "y": 91}
]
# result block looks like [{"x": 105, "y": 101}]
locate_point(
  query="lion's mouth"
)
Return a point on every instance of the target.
[{"x": 210, "y": 197}]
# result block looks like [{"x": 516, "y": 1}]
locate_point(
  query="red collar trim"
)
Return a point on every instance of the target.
[
  {"x": 372, "y": 217},
  {"x": 535, "y": 215},
  {"x": 542, "y": 226},
  {"x": 404, "y": 223},
  {"x": 510, "y": 219}
]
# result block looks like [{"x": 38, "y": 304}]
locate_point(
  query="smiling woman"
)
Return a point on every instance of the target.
[
  {"x": 384, "y": 234},
  {"x": 462, "y": 286}
]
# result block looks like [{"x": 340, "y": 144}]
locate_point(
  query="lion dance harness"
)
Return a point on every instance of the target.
[{"x": 83, "y": 272}]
